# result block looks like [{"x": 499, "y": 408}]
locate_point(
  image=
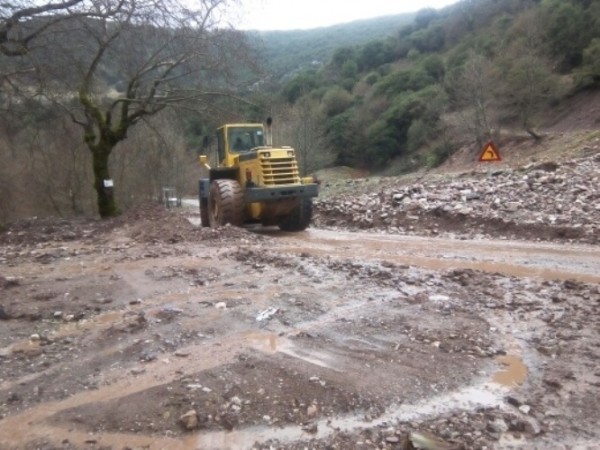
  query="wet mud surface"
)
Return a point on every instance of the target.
[{"x": 150, "y": 332}]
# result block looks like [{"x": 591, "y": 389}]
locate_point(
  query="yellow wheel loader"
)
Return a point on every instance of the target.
[{"x": 254, "y": 182}]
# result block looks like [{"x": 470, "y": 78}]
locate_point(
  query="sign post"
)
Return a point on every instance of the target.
[{"x": 490, "y": 154}]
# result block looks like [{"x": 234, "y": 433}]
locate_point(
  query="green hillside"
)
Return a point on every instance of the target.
[
  {"x": 287, "y": 51},
  {"x": 460, "y": 76}
]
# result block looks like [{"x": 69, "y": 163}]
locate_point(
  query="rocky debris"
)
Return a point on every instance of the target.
[
  {"x": 9, "y": 282},
  {"x": 36, "y": 230},
  {"x": 189, "y": 420},
  {"x": 546, "y": 201},
  {"x": 3, "y": 314},
  {"x": 147, "y": 223}
]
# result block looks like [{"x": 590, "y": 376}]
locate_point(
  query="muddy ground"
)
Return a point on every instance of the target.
[{"x": 148, "y": 332}]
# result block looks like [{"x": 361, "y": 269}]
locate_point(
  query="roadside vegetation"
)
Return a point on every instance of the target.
[{"x": 455, "y": 77}]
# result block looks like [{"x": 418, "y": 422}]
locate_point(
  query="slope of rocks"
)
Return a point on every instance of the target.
[{"x": 540, "y": 201}]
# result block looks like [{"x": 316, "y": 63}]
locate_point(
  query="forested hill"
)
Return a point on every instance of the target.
[
  {"x": 285, "y": 52},
  {"x": 450, "y": 79}
]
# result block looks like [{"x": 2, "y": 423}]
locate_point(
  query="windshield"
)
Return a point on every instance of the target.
[{"x": 244, "y": 139}]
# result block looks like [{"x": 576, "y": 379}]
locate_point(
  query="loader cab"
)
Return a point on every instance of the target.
[{"x": 233, "y": 140}]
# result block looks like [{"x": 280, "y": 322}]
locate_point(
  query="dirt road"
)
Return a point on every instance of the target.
[{"x": 156, "y": 334}]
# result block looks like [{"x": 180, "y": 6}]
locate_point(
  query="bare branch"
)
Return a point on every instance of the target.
[{"x": 20, "y": 24}]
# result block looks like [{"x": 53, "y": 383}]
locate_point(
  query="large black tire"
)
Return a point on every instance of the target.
[
  {"x": 299, "y": 219},
  {"x": 225, "y": 203},
  {"x": 204, "y": 212}
]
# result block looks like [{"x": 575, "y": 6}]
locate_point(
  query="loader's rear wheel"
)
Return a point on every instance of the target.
[
  {"x": 204, "y": 212},
  {"x": 299, "y": 218},
  {"x": 225, "y": 203}
]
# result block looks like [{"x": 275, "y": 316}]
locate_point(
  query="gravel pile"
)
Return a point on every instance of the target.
[{"x": 544, "y": 201}]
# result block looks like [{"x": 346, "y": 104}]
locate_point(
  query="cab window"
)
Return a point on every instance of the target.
[
  {"x": 244, "y": 139},
  {"x": 220, "y": 146}
]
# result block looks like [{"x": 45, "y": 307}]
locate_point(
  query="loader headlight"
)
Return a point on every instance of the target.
[
  {"x": 291, "y": 153},
  {"x": 266, "y": 155}
]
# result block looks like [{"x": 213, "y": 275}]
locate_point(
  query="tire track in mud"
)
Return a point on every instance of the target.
[
  {"x": 157, "y": 374},
  {"x": 513, "y": 258},
  {"x": 333, "y": 312}
]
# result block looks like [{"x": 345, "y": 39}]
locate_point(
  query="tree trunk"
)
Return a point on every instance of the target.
[
  {"x": 536, "y": 137},
  {"x": 107, "y": 206}
]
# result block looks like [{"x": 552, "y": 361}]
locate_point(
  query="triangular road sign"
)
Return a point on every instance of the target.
[{"x": 490, "y": 153}]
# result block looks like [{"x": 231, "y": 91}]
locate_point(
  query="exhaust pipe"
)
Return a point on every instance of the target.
[{"x": 269, "y": 132}]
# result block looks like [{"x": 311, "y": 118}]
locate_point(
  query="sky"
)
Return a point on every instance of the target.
[{"x": 307, "y": 14}]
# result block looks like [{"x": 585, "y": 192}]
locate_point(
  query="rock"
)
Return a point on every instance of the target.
[
  {"x": 148, "y": 356},
  {"x": 548, "y": 204},
  {"x": 497, "y": 426},
  {"x": 311, "y": 428},
  {"x": 13, "y": 397},
  {"x": 189, "y": 420},
  {"x": 514, "y": 401},
  {"x": 525, "y": 409},
  {"x": 312, "y": 410},
  {"x": 168, "y": 312},
  {"x": 426, "y": 441},
  {"x": 513, "y": 206},
  {"x": 3, "y": 314}
]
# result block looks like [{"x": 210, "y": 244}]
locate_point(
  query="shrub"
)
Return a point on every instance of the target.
[
  {"x": 336, "y": 101},
  {"x": 439, "y": 154}
]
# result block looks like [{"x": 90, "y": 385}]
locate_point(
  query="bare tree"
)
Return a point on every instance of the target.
[
  {"x": 159, "y": 53},
  {"x": 302, "y": 127},
  {"x": 22, "y": 21},
  {"x": 154, "y": 156},
  {"x": 6, "y": 185},
  {"x": 473, "y": 94},
  {"x": 527, "y": 82}
]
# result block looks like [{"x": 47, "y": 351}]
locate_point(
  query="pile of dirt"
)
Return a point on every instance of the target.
[
  {"x": 147, "y": 223},
  {"x": 543, "y": 201},
  {"x": 36, "y": 230}
]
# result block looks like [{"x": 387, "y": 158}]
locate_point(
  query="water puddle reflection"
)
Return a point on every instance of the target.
[
  {"x": 272, "y": 343},
  {"x": 514, "y": 372}
]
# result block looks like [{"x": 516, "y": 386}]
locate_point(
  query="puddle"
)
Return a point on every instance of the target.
[
  {"x": 514, "y": 372},
  {"x": 271, "y": 343},
  {"x": 469, "y": 398},
  {"x": 84, "y": 439},
  {"x": 268, "y": 343},
  {"x": 542, "y": 261}
]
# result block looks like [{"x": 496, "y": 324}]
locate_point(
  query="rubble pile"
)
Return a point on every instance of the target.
[{"x": 544, "y": 201}]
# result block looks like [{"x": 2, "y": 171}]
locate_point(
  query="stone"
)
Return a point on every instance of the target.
[
  {"x": 148, "y": 356},
  {"x": 3, "y": 314},
  {"x": 498, "y": 425},
  {"x": 525, "y": 409},
  {"x": 189, "y": 420}
]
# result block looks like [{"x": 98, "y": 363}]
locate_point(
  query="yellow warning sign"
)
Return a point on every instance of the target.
[{"x": 490, "y": 153}]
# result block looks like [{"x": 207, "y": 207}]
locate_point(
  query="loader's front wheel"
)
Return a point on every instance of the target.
[
  {"x": 225, "y": 203},
  {"x": 299, "y": 218}
]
